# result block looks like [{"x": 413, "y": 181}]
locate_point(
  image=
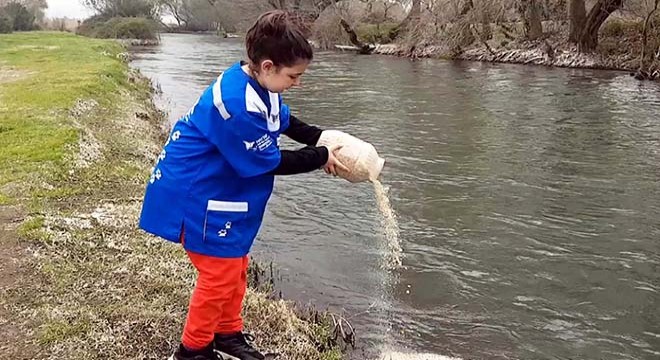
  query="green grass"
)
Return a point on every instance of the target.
[
  {"x": 29, "y": 227},
  {"x": 332, "y": 355},
  {"x": 58, "y": 330},
  {"x": 51, "y": 72},
  {"x": 378, "y": 33}
]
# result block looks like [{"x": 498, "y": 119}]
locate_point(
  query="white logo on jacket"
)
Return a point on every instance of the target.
[{"x": 260, "y": 144}]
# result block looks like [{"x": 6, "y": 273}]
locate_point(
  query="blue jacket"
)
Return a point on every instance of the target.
[{"x": 213, "y": 177}]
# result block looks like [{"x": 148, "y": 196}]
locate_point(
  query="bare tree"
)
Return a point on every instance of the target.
[
  {"x": 434, "y": 11},
  {"x": 577, "y": 15},
  {"x": 530, "y": 10},
  {"x": 645, "y": 35},
  {"x": 362, "y": 47},
  {"x": 177, "y": 9},
  {"x": 124, "y": 8},
  {"x": 23, "y": 15},
  {"x": 597, "y": 16},
  {"x": 36, "y": 8},
  {"x": 413, "y": 15}
]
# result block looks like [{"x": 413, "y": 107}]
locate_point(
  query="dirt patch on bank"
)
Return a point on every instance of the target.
[
  {"x": 11, "y": 253},
  {"x": 9, "y": 74}
]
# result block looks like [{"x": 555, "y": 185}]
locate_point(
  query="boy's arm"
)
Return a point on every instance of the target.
[
  {"x": 300, "y": 161},
  {"x": 302, "y": 132}
]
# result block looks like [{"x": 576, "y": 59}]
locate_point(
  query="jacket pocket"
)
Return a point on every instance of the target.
[{"x": 224, "y": 220}]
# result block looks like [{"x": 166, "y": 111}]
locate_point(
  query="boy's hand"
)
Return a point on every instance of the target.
[{"x": 333, "y": 163}]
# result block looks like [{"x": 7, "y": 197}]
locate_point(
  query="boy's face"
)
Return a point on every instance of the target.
[{"x": 279, "y": 79}]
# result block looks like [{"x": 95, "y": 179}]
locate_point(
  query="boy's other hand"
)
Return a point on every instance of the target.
[{"x": 333, "y": 163}]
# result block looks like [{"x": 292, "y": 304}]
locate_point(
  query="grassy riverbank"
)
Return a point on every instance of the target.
[{"x": 80, "y": 134}]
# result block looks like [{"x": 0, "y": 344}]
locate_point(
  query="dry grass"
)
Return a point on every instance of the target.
[{"x": 8, "y": 74}]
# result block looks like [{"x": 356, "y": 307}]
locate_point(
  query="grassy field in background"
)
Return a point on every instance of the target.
[{"x": 41, "y": 78}]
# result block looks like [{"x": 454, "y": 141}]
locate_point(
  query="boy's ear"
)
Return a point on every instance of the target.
[{"x": 267, "y": 65}]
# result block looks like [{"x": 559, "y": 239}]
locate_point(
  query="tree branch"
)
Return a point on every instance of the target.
[{"x": 645, "y": 35}]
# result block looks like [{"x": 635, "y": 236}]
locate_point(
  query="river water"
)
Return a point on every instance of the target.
[{"x": 528, "y": 202}]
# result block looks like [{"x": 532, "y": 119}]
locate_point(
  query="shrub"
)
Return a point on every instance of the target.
[
  {"x": 617, "y": 27},
  {"x": 378, "y": 33},
  {"x": 20, "y": 17},
  {"x": 119, "y": 28},
  {"x": 6, "y": 25}
]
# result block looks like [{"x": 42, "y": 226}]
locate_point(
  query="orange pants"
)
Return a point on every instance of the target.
[{"x": 216, "y": 302}]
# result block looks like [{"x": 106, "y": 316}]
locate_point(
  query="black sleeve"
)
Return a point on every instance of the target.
[
  {"x": 301, "y": 161},
  {"x": 302, "y": 132}
]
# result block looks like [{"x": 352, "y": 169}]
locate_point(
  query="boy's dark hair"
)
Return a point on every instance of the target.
[{"x": 277, "y": 36}]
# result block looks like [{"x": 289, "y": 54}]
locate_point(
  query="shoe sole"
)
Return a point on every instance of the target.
[{"x": 223, "y": 356}]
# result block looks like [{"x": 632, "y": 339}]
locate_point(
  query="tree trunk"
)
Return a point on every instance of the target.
[
  {"x": 645, "y": 36},
  {"x": 597, "y": 16},
  {"x": 531, "y": 13},
  {"x": 362, "y": 47},
  {"x": 413, "y": 16},
  {"x": 464, "y": 22},
  {"x": 577, "y": 14},
  {"x": 483, "y": 13},
  {"x": 174, "y": 11},
  {"x": 486, "y": 31}
]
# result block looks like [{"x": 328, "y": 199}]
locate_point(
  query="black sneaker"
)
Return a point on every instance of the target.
[
  {"x": 205, "y": 354},
  {"x": 237, "y": 345}
]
